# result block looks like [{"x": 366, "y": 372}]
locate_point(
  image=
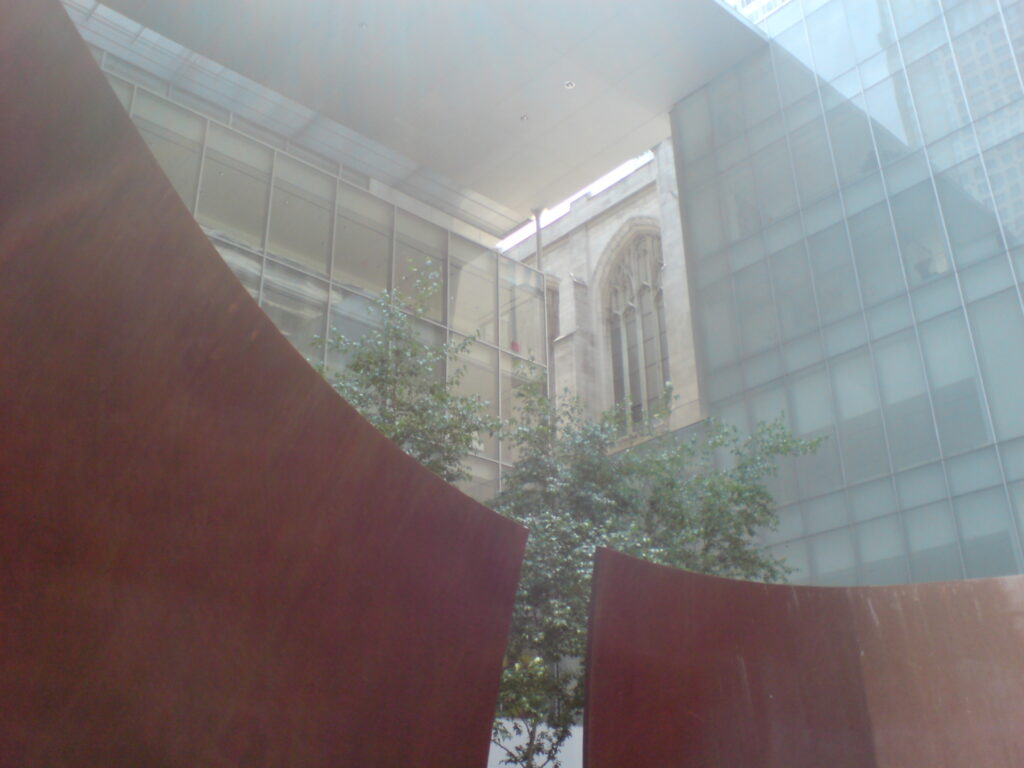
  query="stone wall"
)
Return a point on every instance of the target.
[{"x": 578, "y": 252}]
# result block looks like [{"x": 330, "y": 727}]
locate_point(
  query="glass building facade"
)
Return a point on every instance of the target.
[
  {"x": 853, "y": 205},
  {"x": 313, "y": 248}
]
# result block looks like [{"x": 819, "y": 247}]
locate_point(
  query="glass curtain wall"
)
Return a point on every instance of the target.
[
  {"x": 314, "y": 250},
  {"x": 853, "y": 203}
]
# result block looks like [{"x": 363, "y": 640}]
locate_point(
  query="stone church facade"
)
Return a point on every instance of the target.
[{"x": 619, "y": 300}]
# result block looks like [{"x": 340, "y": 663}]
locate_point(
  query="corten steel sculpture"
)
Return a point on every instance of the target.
[
  {"x": 688, "y": 670},
  {"x": 206, "y": 557}
]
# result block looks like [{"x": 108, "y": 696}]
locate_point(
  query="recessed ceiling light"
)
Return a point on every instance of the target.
[
  {"x": 569, "y": 85},
  {"x": 524, "y": 117}
]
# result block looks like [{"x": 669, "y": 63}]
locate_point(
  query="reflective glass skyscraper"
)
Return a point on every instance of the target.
[{"x": 853, "y": 206}]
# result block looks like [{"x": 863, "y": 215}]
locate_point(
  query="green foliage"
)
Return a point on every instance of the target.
[
  {"x": 664, "y": 500},
  {"x": 398, "y": 382}
]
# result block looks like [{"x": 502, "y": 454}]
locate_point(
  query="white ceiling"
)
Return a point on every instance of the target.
[{"x": 446, "y": 83}]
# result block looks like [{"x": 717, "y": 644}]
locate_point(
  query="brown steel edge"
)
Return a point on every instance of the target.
[
  {"x": 692, "y": 670},
  {"x": 592, "y": 620},
  {"x": 206, "y": 556}
]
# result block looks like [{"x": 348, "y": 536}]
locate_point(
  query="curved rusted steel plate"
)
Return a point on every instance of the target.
[
  {"x": 690, "y": 670},
  {"x": 206, "y": 557}
]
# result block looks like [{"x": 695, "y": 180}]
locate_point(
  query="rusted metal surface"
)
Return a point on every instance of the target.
[
  {"x": 690, "y": 670},
  {"x": 206, "y": 557}
]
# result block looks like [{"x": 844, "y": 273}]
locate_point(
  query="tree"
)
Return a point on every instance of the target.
[
  {"x": 399, "y": 384},
  {"x": 664, "y": 500}
]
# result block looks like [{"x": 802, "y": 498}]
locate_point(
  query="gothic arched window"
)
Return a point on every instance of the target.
[{"x": 636, "y": 324}]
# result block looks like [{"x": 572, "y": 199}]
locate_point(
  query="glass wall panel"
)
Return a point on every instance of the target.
[
  {"x": 1013, "y": 12},
  {"x": 920, "y": 234},
  {"x": 812, "y": 162},
  {"x": 850, "y": 132},
  {"x": 757, "y": 85},
  {"x": 845, "y": 335},
  {"x": 953, "y": 149},
  {"x": 1000, "y": 126},
  {"x": 832, "y": 554},
  {"x": 825, "y": 512},
  {"x": 1017, "y": 500},
  {"x": 931, "y": 538},
  {"x": 969, "y": 213},
  {"x": 833, "y": 273},
  {"x": 989, "y": 542},
  {"x": 987, "y": 67},
  {"x": 726, "y": 108},
  {"x": 791, "y": 53},
  {"x": 1013, "y": 459},
  {"x": 911, "y": 14},
  {"x": 175, "y": 137},
  {"x": 420, "y": 250},
  {"x": 889, "y": 318},
  {"x": 935, "y": 297},
  {"x": 871, "y": 500},
  {"x": 703, "y": 220},
  {"x": 482, "y": 484},
  {"x": 924, "y": 40},
  {"x": 882, "y": 557},
  {"x": 738, "y": 204},
  {"x": 956, "y": 392},
  {"x": 352, "y": 316},
  {"x": 300, "y": 214},
  {"x": 362, "y": 240},
  {"x": 1005, "y": 164},
  {"x": 746, "y": 252},
  {"x": 802, "y": 352},
  {"x": 521, "y": 310},
  {"x": 973, "y": 471},
  {"x": 757, "y": 321},
  {"x": 235, "y": 186},
  {"x": 297, "y": 303},
  {"x": 830, "y": 40},
  {"x": 870, "y": 27},
  {"x": 717, "y": 326},
  {"x": 876, "y": 68},
  {"x": 475, "y": 372},
  {"x": 696, "y": 137},
  {"x": 906, "y": 172},
  {"x": 797, "y": 558},
  {"x": 431, "y": 334},
  {"x": 812, "y": 417},
  {"x": 860, "y": 420},
  {"x": 937, "y": 96},
  {"x": 891, "y": 110},
  {"x": 878, "y": 260},
  {"x": 908, "y": 415},
  {"x": 990, "y": 276},
  {"x": 472, "y": 289},
  {"x": 773, "y": 175},
  {"x": 998, "y": 329},
  {"x": 791, "y": 525},
  {"x": 922, "y": 485}
]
